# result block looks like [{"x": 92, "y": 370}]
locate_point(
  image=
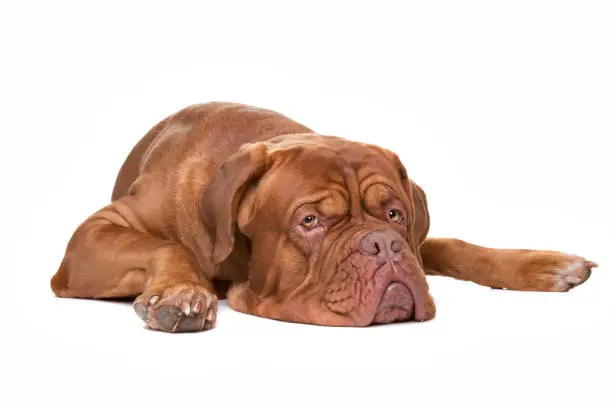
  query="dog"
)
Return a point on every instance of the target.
[{"x": 225, "y": 200}]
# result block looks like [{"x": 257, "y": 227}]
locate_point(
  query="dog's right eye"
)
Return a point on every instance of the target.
[{"x": 309, "y": 221}]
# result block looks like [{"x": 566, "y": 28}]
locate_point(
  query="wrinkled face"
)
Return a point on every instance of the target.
[{"x": 335, "y": 229}]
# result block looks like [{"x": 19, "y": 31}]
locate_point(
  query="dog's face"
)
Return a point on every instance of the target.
[{"x": 334, "y": 226}]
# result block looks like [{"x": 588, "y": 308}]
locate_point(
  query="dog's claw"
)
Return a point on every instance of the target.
[
  {"x": 211, "y": 318},
  {"x": 590, "y": 264},
  {"x": 185, "y": 308}
]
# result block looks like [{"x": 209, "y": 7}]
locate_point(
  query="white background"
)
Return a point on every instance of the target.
[{"x": 500, "y": 110}]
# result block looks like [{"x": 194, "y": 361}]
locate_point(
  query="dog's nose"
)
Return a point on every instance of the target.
[{"x": 385, "y": 245}]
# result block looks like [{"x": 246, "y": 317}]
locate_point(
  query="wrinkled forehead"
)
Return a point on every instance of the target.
[{"x": 337, "y": 169}]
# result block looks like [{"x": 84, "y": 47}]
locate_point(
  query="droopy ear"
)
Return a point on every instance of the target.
[
  {"x": 420, "y": 228},
  {"x": 221, "y": 198},
  {"x": 416, "y": 196}
]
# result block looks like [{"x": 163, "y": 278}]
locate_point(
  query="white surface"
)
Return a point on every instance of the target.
[{"x": 501, "y": 112}]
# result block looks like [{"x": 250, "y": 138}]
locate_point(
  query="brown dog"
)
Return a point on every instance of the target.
[{"x": 230, "y": 200}]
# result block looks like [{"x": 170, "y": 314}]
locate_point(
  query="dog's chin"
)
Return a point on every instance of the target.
[{"x": 396, "y": 305}]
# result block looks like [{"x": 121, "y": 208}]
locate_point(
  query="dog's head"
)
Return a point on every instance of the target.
[{"x": 334, "y": 227}]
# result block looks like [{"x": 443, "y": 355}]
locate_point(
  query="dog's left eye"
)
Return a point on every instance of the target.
[
  {"x": 395, "y": 215},
  {"x": 309, "y": 221}
]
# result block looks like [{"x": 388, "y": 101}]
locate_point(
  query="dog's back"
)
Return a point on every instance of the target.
[{"x": 214, "y": 130}]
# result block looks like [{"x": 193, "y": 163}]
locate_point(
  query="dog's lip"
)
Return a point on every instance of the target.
[
  {"x": 397, "y": 303},
  {"x": 419, "y": 293}
]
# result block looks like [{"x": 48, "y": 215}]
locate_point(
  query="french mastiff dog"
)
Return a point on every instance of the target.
[{"x": 224, "y": 200}]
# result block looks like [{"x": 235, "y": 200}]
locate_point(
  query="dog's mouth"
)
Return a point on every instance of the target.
[
  {"x": 368, "y": 292},
  {"x": 396, "y": 305}
]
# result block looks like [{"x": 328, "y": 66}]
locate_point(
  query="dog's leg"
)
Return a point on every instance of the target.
[
  {"x": 516, "y": 269},
  {"x": 108, "y": 258}
]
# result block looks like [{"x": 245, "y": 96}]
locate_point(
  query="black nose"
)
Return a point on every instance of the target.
[{"x": 385, "y": 245}]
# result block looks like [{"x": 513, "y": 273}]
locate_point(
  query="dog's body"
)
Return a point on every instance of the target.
[{"x": 230, "y": 200}]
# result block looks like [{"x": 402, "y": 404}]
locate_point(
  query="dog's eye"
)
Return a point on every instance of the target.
[
  {"x": 395, "y": 215},
  {"x": 309, "y": 221}
]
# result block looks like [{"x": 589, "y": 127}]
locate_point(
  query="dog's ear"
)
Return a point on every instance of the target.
[
  {"x": 419, "y": 227},
  {"x": 221, "y": 198}
]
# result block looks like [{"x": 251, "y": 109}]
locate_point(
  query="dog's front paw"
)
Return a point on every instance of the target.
[
  {"x": 182, "y": 307},
  {"x": 549, "y": 271}
]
